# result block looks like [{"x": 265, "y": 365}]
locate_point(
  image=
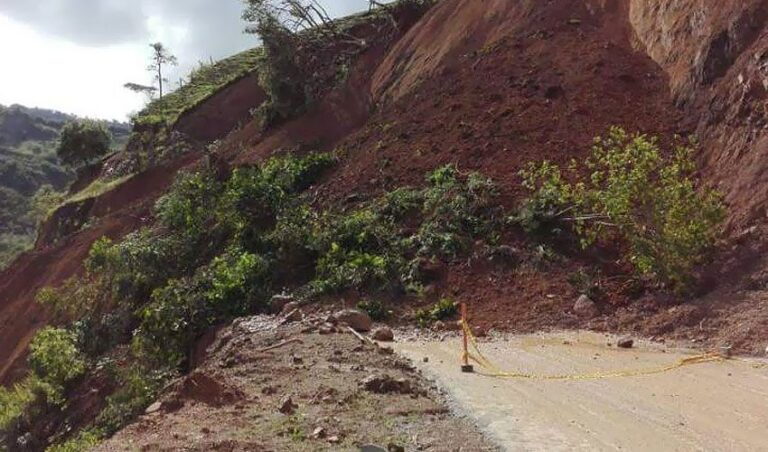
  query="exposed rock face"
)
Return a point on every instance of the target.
[{"x": 716, "y": 56}]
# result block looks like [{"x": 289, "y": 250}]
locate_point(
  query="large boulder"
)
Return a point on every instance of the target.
[
  {"x": 384, "y": 334},
  {"x": 585, "y": 308},
  {"x": 356, "y": 319}
]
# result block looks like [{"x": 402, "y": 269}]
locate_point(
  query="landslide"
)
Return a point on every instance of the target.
[{"x": 490, "y": 86}]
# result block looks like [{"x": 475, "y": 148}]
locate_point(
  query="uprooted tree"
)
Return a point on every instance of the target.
[{"x": 288, "y": 30}]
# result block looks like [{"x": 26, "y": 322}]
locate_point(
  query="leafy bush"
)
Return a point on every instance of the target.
[
  {"x": 375, "y": 309},
  {"x": 55, "y": 358},
  {"x": 138, "y": 388},
  {"x": 232, "y": 285},
  {"x": 84, "y": 440},
  {"x": 634, "y": 194},
  {"x": 442, "y": 310},
  {"x": 456, "y": 211},
  {"x": 14, "y": 401}
]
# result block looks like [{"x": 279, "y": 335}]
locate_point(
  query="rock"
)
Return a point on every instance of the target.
[
  {"x": 356, "y": 319},
  {"x": 425, "y": 359},
  {"x": 287, "y": 406},
  {"x": 319, "y": 432},
  {"x": 333, "y": 439},
  {"x": 392, "y": 447},
  {"x": 384, "y": 334},
  {"x": 766, "y": 349},
  {"x": 384, "y": 384},
  {"x": 585, "y": 308},
  {"x": 625, "y": 342},
  {"x": 278, "y": 302},
  {"x": 154, "y": 408},
  {"x": 438, "y": 326}
]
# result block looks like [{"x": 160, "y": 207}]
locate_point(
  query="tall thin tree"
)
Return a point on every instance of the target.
[{"x": 161, "y": 58}]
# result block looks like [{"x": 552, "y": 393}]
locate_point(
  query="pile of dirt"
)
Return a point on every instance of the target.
[{"x": 298, "y": 387}]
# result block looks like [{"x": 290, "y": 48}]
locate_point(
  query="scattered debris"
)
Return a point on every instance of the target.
[
  {"x": 293, "y": 316},
  {"x": 289, "y": 307},
  {"x": 384, "y": 384},
  {"x": 279, "y": 301}
]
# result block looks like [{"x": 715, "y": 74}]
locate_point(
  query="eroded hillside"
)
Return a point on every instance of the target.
[{"x": 485, "y": 87}]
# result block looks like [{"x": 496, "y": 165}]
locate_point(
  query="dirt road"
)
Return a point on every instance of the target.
[{"x": 717, "y": 406}]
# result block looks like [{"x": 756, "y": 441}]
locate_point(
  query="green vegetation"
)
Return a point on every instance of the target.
[
  {"x": 221, "y": 248},
  {"x": 85, "y": 440},
  {"x": 635, "y": 194},
  {"x": 83, "y": 141},
  {"x": 442, "y": 310},
  {"x": 375, "y": 309},
  {"x": 32, "y": 179},
  {"x": 55, "y": 358}
]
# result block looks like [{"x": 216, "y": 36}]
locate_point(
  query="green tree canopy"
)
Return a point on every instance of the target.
[{"x": 82, "y": 142}]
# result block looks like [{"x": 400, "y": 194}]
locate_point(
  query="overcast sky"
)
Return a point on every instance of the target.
[{"x": 75, "y": 55}]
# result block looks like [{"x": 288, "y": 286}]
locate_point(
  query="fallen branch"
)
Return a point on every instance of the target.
[
  {"x": 281, "y": 344},
  {"x": 362, "y": 338}
]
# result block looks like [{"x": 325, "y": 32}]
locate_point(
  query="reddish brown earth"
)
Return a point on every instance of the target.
[
  {"x": 227, "y": 109},
  {"x": 233, "y": 402},
  {"x": 493, "y": 85}
]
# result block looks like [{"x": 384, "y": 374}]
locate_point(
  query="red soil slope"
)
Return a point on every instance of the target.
[{"x": 114, "y": 214}]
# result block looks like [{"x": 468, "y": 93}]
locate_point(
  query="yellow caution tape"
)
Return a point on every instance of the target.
[{"x": 491, "y": 370}]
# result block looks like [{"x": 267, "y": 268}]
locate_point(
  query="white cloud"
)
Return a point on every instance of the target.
[
  {"x": 75, "y": 55},
  {"x": 50, "y": 73}
]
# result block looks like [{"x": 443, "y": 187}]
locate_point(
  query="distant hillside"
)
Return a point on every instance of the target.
[{"x": 28, "y": 162}]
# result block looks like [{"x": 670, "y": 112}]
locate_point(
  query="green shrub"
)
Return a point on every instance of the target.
[
  {"x": 375, "y": 309},
  {"x": 55, "y": 358},
  {"x": 455, "y": 212},
  {"x": 138, "y": 387},
  {"x": 83, "y": 441},
  {"x": 187, "y": 209},
  {"x": 14, "y": 401},
  {"x": 634, "y": 194},
  {"x": 443, "y": 309},
  {"x": 233, "y": 285},
  {"x": 83, "y": 141}
]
